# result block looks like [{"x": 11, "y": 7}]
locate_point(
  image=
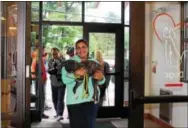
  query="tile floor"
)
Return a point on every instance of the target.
[{"x": 52, "y": 123}]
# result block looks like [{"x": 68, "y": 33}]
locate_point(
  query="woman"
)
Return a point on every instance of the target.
[
  {"x": 82, "y": 110},
  {"x": 106, "y": 69}
]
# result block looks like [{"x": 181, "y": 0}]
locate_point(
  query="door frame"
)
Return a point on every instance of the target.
[
  {"x": 23, "y": 102},
  {"x": 36, "y": 114},
  {"x": 21, "y": 116},
  {"x": 118, "y": 110},
  {"x": 137, "y": 62}
]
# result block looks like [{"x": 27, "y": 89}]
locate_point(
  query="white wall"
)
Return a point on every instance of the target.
[{"x": 158, "y": 80}]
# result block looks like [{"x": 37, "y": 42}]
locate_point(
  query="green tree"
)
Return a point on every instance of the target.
[
  {"x": 61, "y": 36},
  {"x": 62, "y": 11},
  {"x": 58, "y": 36},
  {"x": 105, "y": 42}
]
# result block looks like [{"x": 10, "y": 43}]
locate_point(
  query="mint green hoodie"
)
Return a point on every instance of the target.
[{"x": 69, "y": 80}]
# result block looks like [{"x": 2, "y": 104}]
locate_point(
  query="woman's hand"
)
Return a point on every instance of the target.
[
  {"x": 80, "y": 72},
  {"x": 98, "y": 75}
]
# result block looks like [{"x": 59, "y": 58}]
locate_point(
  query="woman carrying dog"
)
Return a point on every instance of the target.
[{"x": 81, "y": 98}]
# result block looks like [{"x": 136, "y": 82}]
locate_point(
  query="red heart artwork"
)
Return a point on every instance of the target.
[{"x": 167, "y": 15}]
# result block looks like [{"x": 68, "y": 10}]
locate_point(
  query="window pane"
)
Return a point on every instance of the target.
[
  {"x": 34, "y": 87},
  {"x": 61, "y": 37},
  {"x": 35, "y": 11},
  {"x": 9, "y": 26},
  {"x": 62, "y": 11},
  {"x": 127, "y": 12},
  {"x": 163, "y": 57},
  {"x": 126, "y": 52},
  {"x": 126, "y": 66},
  {"x": 9, "y": 56},
  {"x": 103, "y": 45},
  {"x": 186, "y": 18},
  {"x": 185, "y": 42},
  {"x": 186, "y": 10},
  {"x": 163, "y": 61},
  {"x": 108, "y": 12}
]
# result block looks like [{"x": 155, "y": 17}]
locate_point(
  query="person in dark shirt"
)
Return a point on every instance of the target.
[
  {"x": 70, "y": 51},
  {"x": 58, "y": 89}
]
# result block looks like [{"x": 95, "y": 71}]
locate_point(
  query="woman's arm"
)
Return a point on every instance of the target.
[
  {"x": 98, "y": 75},
  {"x": 101, "y": 82}
]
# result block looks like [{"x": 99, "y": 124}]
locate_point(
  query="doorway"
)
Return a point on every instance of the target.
[
  {"x": 107, "y": 39},
  {"x": 14, "y": 69}
]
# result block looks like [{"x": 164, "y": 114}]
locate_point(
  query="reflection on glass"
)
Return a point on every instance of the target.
[
  {"x": 62, "y": 11},
  {"x": 107, "y": 12},
  {"x": 162, "y": 62},
  {"x": 126, "y": 52},
  {"x": 8, "y": 58},
  {"x": 126, "y": 66},
  {"x": 127, "y": 12},
  {"x": 34, "y": 38},
  {"x": 165, "y": 57},
  {"x": 102, "y": 47},
  {"x": 35, "y": 11},
  {"x": 186, "y": 10}
]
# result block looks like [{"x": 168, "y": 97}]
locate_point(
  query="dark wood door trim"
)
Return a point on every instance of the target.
[
  {"x": 27, "y": 123},
  {"x": 137, "y": 62}
]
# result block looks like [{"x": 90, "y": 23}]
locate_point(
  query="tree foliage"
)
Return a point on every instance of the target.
[{"x": 60, "y": 36}]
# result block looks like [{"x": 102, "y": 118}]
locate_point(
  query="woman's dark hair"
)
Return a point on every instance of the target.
[
  {"x": 55, "y": 49},
  {"x": 82, "y": 40}
]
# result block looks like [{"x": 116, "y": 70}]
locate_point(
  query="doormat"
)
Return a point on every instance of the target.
[{"x": 106, "y": 124}]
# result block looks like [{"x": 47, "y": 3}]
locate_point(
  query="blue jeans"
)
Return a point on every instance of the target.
[
  {"x": 83, "y": 115},
  {"x": 58, "y": 94}
]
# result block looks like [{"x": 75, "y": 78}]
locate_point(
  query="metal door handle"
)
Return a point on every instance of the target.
[
  {"x": 114, "y": 73},
  {"x": 137, "y": 100}
]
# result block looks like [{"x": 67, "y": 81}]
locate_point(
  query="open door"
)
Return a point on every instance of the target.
[
  {"x": 108, "y": 39},
  {"x": 14, "y": 72}
]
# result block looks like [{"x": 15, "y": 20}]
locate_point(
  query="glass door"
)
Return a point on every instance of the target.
[
  {"x": 38, "y": 66},
  {"x": 105, "y": 42},
  {"x": 14, "y": 73},
  {"x": 158, "y": 84}
]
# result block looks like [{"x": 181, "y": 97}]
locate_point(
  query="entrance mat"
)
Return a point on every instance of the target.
[{"x": 98, "y": 125}]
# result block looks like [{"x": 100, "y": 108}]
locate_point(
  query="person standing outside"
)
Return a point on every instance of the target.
[
  {"x": 58, "y": 89},
  {"x": 34, "y": 71}
]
